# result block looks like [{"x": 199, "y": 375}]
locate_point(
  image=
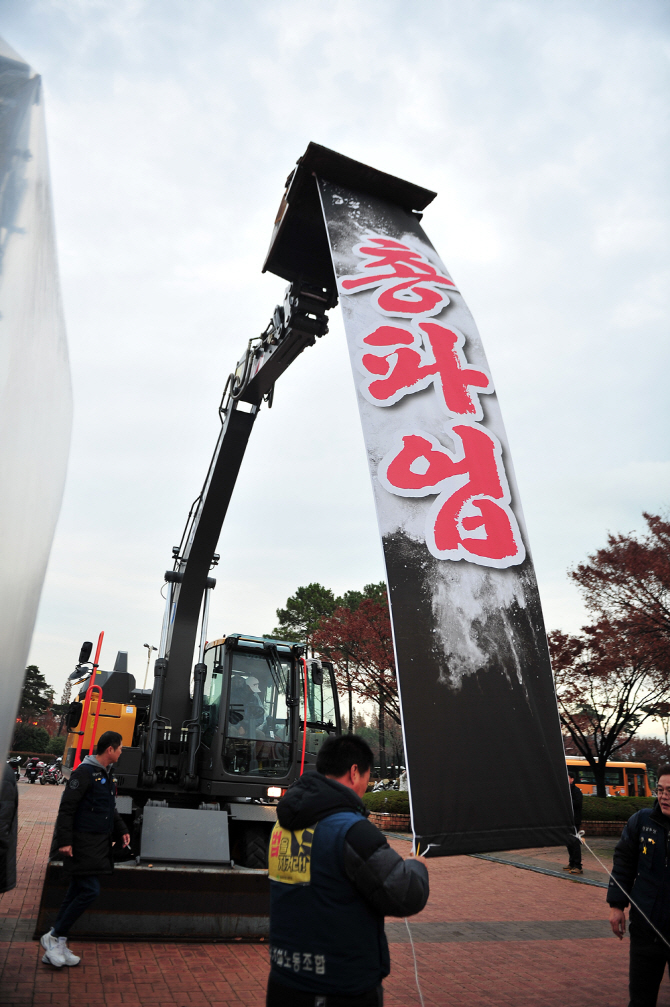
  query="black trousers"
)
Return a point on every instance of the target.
[
  {"x": 84, "y": 889},
  {"x": 574, "y": 850},
  {"x": 648, "y": 959},
  {"x": 279, "y": 995}
]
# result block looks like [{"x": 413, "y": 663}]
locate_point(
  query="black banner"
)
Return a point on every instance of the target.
[{"x": 484, "y": 752}]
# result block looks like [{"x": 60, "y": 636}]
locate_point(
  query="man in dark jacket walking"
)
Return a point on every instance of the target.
[
  {"x": 87, "y": 824},
  {"x": 574, "y": 845},
  {"x": 641, "y": 869},
  {"x": 333, "y": 879},
  {"x": 9, "y": 806}
]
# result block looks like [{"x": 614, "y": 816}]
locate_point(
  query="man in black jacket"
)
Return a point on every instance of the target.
[
  {"x": 333, "y": 879},
  {"x": 641, "y": 870},
  {"x": 9, "y": 806},
  {"x": 574, "y": 845},
  {"x": 87, "y": 824}
]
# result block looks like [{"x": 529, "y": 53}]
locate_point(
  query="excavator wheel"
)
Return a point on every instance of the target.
[{"x": 255, "y": 840}]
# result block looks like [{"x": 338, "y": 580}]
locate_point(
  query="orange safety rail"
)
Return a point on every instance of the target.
[
  {"x": 92, "y": 689},
  {"x": 87, "y": 704}
]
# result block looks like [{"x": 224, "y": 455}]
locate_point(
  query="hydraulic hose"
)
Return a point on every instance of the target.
[
  {"x": 192, "y": 725},
  {"x": 304, "y": 719}
]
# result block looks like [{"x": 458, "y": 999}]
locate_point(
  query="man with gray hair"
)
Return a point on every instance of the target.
[
  {"x": 86, "y": 827},
  {"x": 640, "y": 876}
]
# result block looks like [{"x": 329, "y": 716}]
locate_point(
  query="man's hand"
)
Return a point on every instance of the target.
[
  {"x": 618, "y": 922},
  {"x": 415, "y": 856},
  {"x": 67, "y": 850},
  {"x": 126, "y": 839}
]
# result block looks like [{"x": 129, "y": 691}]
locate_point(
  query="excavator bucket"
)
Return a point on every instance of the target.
[{"x": 143, "y": 902}]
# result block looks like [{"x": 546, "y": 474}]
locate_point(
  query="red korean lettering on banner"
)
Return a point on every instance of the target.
[
  {"x": 409, "y": 285},
  {"x": 471, "y": 518},
  {"x": 400, "y": 362}
]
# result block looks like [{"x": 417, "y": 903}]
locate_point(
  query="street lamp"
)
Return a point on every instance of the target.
[{"x": 149, "y": 649}]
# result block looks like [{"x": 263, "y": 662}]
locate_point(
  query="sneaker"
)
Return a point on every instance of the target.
[
  {"x": 57, "y": 951},
  {"x": 70, "y": 959},
  {"x": 568, "y": 868},
  {"x": 54, "y": 957},
  {"x": 576, "y": 870},
  {"x": 48, "y": 941}
]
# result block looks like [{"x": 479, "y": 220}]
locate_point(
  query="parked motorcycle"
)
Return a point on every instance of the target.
[
  {"x": 52, "y": 774},
  {"x": 15, "y": 764},
  {"x": 33, "y": 769}
]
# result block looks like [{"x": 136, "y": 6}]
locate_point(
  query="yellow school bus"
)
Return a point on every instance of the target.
[{"x": 622, "y": 779}]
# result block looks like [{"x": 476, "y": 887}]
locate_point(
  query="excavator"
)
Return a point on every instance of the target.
[
  {"x": 263, "y": 711},
  {"x": 212, "y": 746},
  {"x": 197, "y": 864}
]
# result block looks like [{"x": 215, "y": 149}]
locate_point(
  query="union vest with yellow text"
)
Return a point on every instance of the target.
[{"x": 290, "y": 859}]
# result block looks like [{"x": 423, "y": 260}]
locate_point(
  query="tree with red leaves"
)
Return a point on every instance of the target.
[
  {"x": 616, "y": 674},
  {"x": 357, "y": 638},
  {"x": 653, "y": 751},
  {"x": 628, "y": 582},
  {"x": 608, "y": 683}
]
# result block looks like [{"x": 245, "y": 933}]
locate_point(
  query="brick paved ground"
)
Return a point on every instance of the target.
[
  {"x": 37, "y": 811},
  {"x": 490, "y": 935}
]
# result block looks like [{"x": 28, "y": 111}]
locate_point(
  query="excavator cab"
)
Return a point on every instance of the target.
[
  {"x": 254, "y": 711},
  {"x": 247, "y": 719}
]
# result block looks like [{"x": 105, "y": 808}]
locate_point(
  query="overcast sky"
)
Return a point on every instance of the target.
[{"x": 172, "y": 127}]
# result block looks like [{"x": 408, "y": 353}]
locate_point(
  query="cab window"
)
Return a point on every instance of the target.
[
  {"x": 257, "y": 727},
  {"x": 209, "y": 719}
]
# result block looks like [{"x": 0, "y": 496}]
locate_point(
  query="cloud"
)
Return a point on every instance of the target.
[{"x": 172, "y": 128}]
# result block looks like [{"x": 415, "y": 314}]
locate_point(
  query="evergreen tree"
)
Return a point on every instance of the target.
[
  {"x": 28, "y": 738},
  {"x": 56, "y": 745},
  {"x": 304, "y": 610},
  {"x": 36, "y": 697}
]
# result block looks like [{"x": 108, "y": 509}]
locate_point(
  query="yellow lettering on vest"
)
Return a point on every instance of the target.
[{"x": 290, "y": 858}]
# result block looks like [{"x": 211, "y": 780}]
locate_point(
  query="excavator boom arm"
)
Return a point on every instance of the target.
[{"x": 294, "y": 325}]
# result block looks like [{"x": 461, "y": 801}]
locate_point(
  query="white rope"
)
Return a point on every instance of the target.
[
  {"x": 416, "y": 968},
  {"x": 628, "y": 898},
  {"x": 612, "y": 878}
]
